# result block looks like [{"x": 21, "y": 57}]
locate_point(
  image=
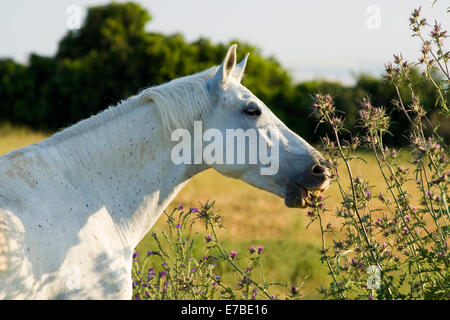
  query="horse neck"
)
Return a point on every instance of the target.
[{"x": 126, "y": 165}]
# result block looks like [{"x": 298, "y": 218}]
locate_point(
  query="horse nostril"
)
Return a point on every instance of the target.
[{"x": 318, "y": 170}]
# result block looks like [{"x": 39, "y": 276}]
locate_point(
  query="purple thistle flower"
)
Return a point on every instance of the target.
[
  {"x": 151, "y": 273},
  {"x": 178, "y": 226},
  {"x": 252, "y": 249},
  {"x": 294, "y": 290},
  {"x": 208, "y": 238},
  {"x": 394, "y": 153},
  {"x": 233, "y": 254},
  {"x": 260, "y": 249},
  {"x": 192, "y": 210},
  {"x": 255, "y": 292},
  {"x": 180, "y": 207}
]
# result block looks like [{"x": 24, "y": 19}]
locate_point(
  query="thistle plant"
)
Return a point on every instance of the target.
[
  {"x": 395, "y": 245},
  {"x": 175, "y": 270}
]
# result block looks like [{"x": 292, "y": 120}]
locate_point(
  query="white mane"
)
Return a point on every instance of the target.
[{"x": 180, "y": 102}]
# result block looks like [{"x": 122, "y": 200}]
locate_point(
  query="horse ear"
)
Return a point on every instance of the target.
[
  {"x": 238, "y": 71},
  {"x": 226, "y": 68}
]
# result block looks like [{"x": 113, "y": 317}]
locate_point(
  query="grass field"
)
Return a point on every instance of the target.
[{"x": 251, "y": 216}]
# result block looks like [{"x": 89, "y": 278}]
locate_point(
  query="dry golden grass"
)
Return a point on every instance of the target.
[{"x": 12, "y": 138}]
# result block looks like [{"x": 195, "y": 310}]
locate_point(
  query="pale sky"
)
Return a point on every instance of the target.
[{"x": 322, "y": 38}]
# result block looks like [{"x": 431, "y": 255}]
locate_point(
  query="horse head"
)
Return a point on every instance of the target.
[{"x": 287, "y": 166}]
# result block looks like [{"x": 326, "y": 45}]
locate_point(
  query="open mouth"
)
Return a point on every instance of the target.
[
  {"x": 299, "y": 196},
  {"x": 307, "y": 195}
]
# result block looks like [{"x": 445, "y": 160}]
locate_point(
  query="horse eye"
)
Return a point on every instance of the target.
[{"x": 252, "y": 109}]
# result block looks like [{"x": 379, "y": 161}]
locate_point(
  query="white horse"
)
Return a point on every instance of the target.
[{"x": 74, "y": 206}]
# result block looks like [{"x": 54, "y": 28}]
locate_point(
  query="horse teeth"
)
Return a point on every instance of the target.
[{"x": 304, "y": 193}]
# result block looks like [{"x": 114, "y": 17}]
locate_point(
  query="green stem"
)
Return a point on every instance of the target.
[
  {"x": 326, "y": 257},
  {"x": 231, "y": 262}
]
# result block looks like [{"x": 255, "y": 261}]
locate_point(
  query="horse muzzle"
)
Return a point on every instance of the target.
[{"x": 302, "y": 188}]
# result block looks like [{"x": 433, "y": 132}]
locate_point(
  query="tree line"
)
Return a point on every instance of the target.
[{"x": 112, "y": 57}]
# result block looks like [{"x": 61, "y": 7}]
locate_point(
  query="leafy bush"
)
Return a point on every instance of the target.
[{"x": 112, "y": 57}]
